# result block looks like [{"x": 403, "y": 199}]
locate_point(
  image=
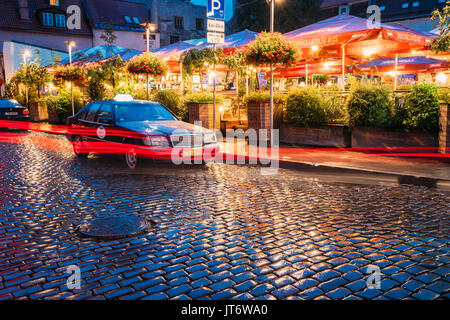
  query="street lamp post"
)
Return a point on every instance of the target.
[
  {"x": 25, "y": 54},
  {"x": 71, "y": 44},
  {"x": 272, "y": 11},
  {"x": 148, "y": 27}
]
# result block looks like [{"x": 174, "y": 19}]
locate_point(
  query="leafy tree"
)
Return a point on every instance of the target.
[
  {"x": 443, "y": 42},
  {"x": 289, "y": 15},
  {"x": 33, "y": 75}
]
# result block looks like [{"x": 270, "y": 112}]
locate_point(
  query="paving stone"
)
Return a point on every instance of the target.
[{"x": 263, "y": 232}]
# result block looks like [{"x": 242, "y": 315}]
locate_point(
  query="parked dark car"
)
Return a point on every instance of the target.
[
  {"x": 12, "y": 110},
  {"x": 136, "y": 128}
]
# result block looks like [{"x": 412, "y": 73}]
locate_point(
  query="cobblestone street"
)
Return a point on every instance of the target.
[{"x": 218, "y": 231}]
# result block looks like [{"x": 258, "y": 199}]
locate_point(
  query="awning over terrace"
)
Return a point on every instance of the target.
[
  {"x": 100, "y": 53},
  {"x": 173, "y": 49},
  {"x": 307, "y": 69},
  {"x": 405, "y": 65},
  {"x": 233, "y": 41},
  {"x": 360, "y": 37}
]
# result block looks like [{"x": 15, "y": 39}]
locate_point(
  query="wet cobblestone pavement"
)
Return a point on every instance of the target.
[{"x": 218, "y": 232}]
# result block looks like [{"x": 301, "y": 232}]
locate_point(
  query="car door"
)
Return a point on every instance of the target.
[
  {"x": 106, "y": 129},
  {"x": 89, "y": 124}
]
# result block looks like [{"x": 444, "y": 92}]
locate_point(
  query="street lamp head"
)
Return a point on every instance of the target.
[
  {"x": 315, "y": 48},
  {"x": 70, "y": 43},
  {"x": 149, "y": 26},
  {"x": 26, "y": 53}
]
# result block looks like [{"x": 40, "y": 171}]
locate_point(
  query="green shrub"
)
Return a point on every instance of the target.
[
  {"x": 369, "y": 105},
  {"x": 422, "y": 108},
  {"x": 264, "y": 96},
  {"x": 96, "y": 89},
  {"x": 62, "y": 103},
  {"x": 201, "y": 97},
  {"x": 172, "y": 100},
  {"x": 306, "y": 107},
  {"x": 444, "y": 94},
  {"x": 334, "y": 103}
]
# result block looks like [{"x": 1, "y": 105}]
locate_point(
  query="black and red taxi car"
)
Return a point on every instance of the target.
[{"x": 136, "y": 128}]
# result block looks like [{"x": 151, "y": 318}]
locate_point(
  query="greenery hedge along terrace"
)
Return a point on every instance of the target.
[
  {"x": 147, "y": 63},
  {"x": 264, "y": 96},
  {"x": 201, "y": 97},
  {"x": 368, "y": 105},
  {"x": 173, "y": 101}
]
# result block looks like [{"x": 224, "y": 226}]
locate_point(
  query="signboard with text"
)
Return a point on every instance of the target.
[
  {"x": 215, "y": 37},
  {"x": 215, "y": 25},
  {"x": 215, "y": 9}
]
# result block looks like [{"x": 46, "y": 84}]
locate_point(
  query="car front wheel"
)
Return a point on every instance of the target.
[
  {"x": 131, "y": 158},
  {"x": 77, "y": 144}
]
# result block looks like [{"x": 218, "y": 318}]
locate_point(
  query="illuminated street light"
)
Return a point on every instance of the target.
[
  {"x": 272, "y": 12},
  {"x": 148, "y": 27},
  {"x": 315, "y": 48},
  {"x": 71, "y": 44}
]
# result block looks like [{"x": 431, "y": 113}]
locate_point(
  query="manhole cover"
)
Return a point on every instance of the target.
[{"x": 114, "y": 227}]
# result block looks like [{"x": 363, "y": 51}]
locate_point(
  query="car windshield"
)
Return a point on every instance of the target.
[{"x": 142, "y": 112}]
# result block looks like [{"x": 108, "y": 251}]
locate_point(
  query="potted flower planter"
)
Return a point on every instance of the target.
[
  {"x": 203, "y": 111},
  {"x": 444, "y": 128},
  {"x": 38, "y": 112}
]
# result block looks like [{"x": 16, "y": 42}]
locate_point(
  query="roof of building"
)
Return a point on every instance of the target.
[
  {"x": 395, "y": 10},
  {"x": 104, "y": 13},
  {"x": 335, "y": 3},
  {"x": 10, "y": 18}
]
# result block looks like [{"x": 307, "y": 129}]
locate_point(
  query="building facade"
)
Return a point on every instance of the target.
[
  {"x": 40, "y": 27},
  {"x": 412, "y": 13},
  {"x": 124, "y": 19},
  {"x": 179, "y": 20}
]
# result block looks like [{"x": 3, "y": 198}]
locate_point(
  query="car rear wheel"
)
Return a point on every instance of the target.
[
  {"x": 131, "y": 158},
  {"x": 77, "y": 144}
]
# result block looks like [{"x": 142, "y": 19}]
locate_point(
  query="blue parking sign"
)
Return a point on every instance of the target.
[{"x": 215, "y": 9}]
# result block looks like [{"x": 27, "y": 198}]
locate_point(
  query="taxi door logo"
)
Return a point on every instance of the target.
[{"x": 101, "y": 132}]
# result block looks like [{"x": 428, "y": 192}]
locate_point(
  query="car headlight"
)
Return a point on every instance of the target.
[
  {"x": 156, "y": 141},
  {"x": 209, "y": 137}
]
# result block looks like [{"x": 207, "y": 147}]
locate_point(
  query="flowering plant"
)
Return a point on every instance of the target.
[
  {"x": 147, "y": 63},
  {"x": 271, "y": 48},
  {"x": 70, "y": 73}
]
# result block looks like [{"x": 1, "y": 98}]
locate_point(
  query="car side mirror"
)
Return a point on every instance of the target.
[{"x": 106, "y": 120}]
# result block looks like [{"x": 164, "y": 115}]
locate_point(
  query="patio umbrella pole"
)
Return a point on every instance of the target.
[
  {"x": 306, "y": 75},
  {"x": 343, "y": 67},
  {"x": 214, "y": 91},
  {"x": 396, "y": 72},
  {"x": 148, "y": 95}
]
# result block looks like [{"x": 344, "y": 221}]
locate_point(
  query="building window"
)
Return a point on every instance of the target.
[
  {"x": 199, "y": 24},
  {"x": 174, "y": 39},
  {"x": 416, "y": 4},
  {"x": 127, "y": 19},
  {"x": 179, "y": 22},
  {"x": 382, "y": 8},
  {"x": 54, "y": 2},
  {"x": 344, "y": 10},
  {"x": 47, "y": 19},
  {"x": 405, "y": 5},
  {"x": 136, "y": 20},
  {"x": 60, "y": 20}
]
